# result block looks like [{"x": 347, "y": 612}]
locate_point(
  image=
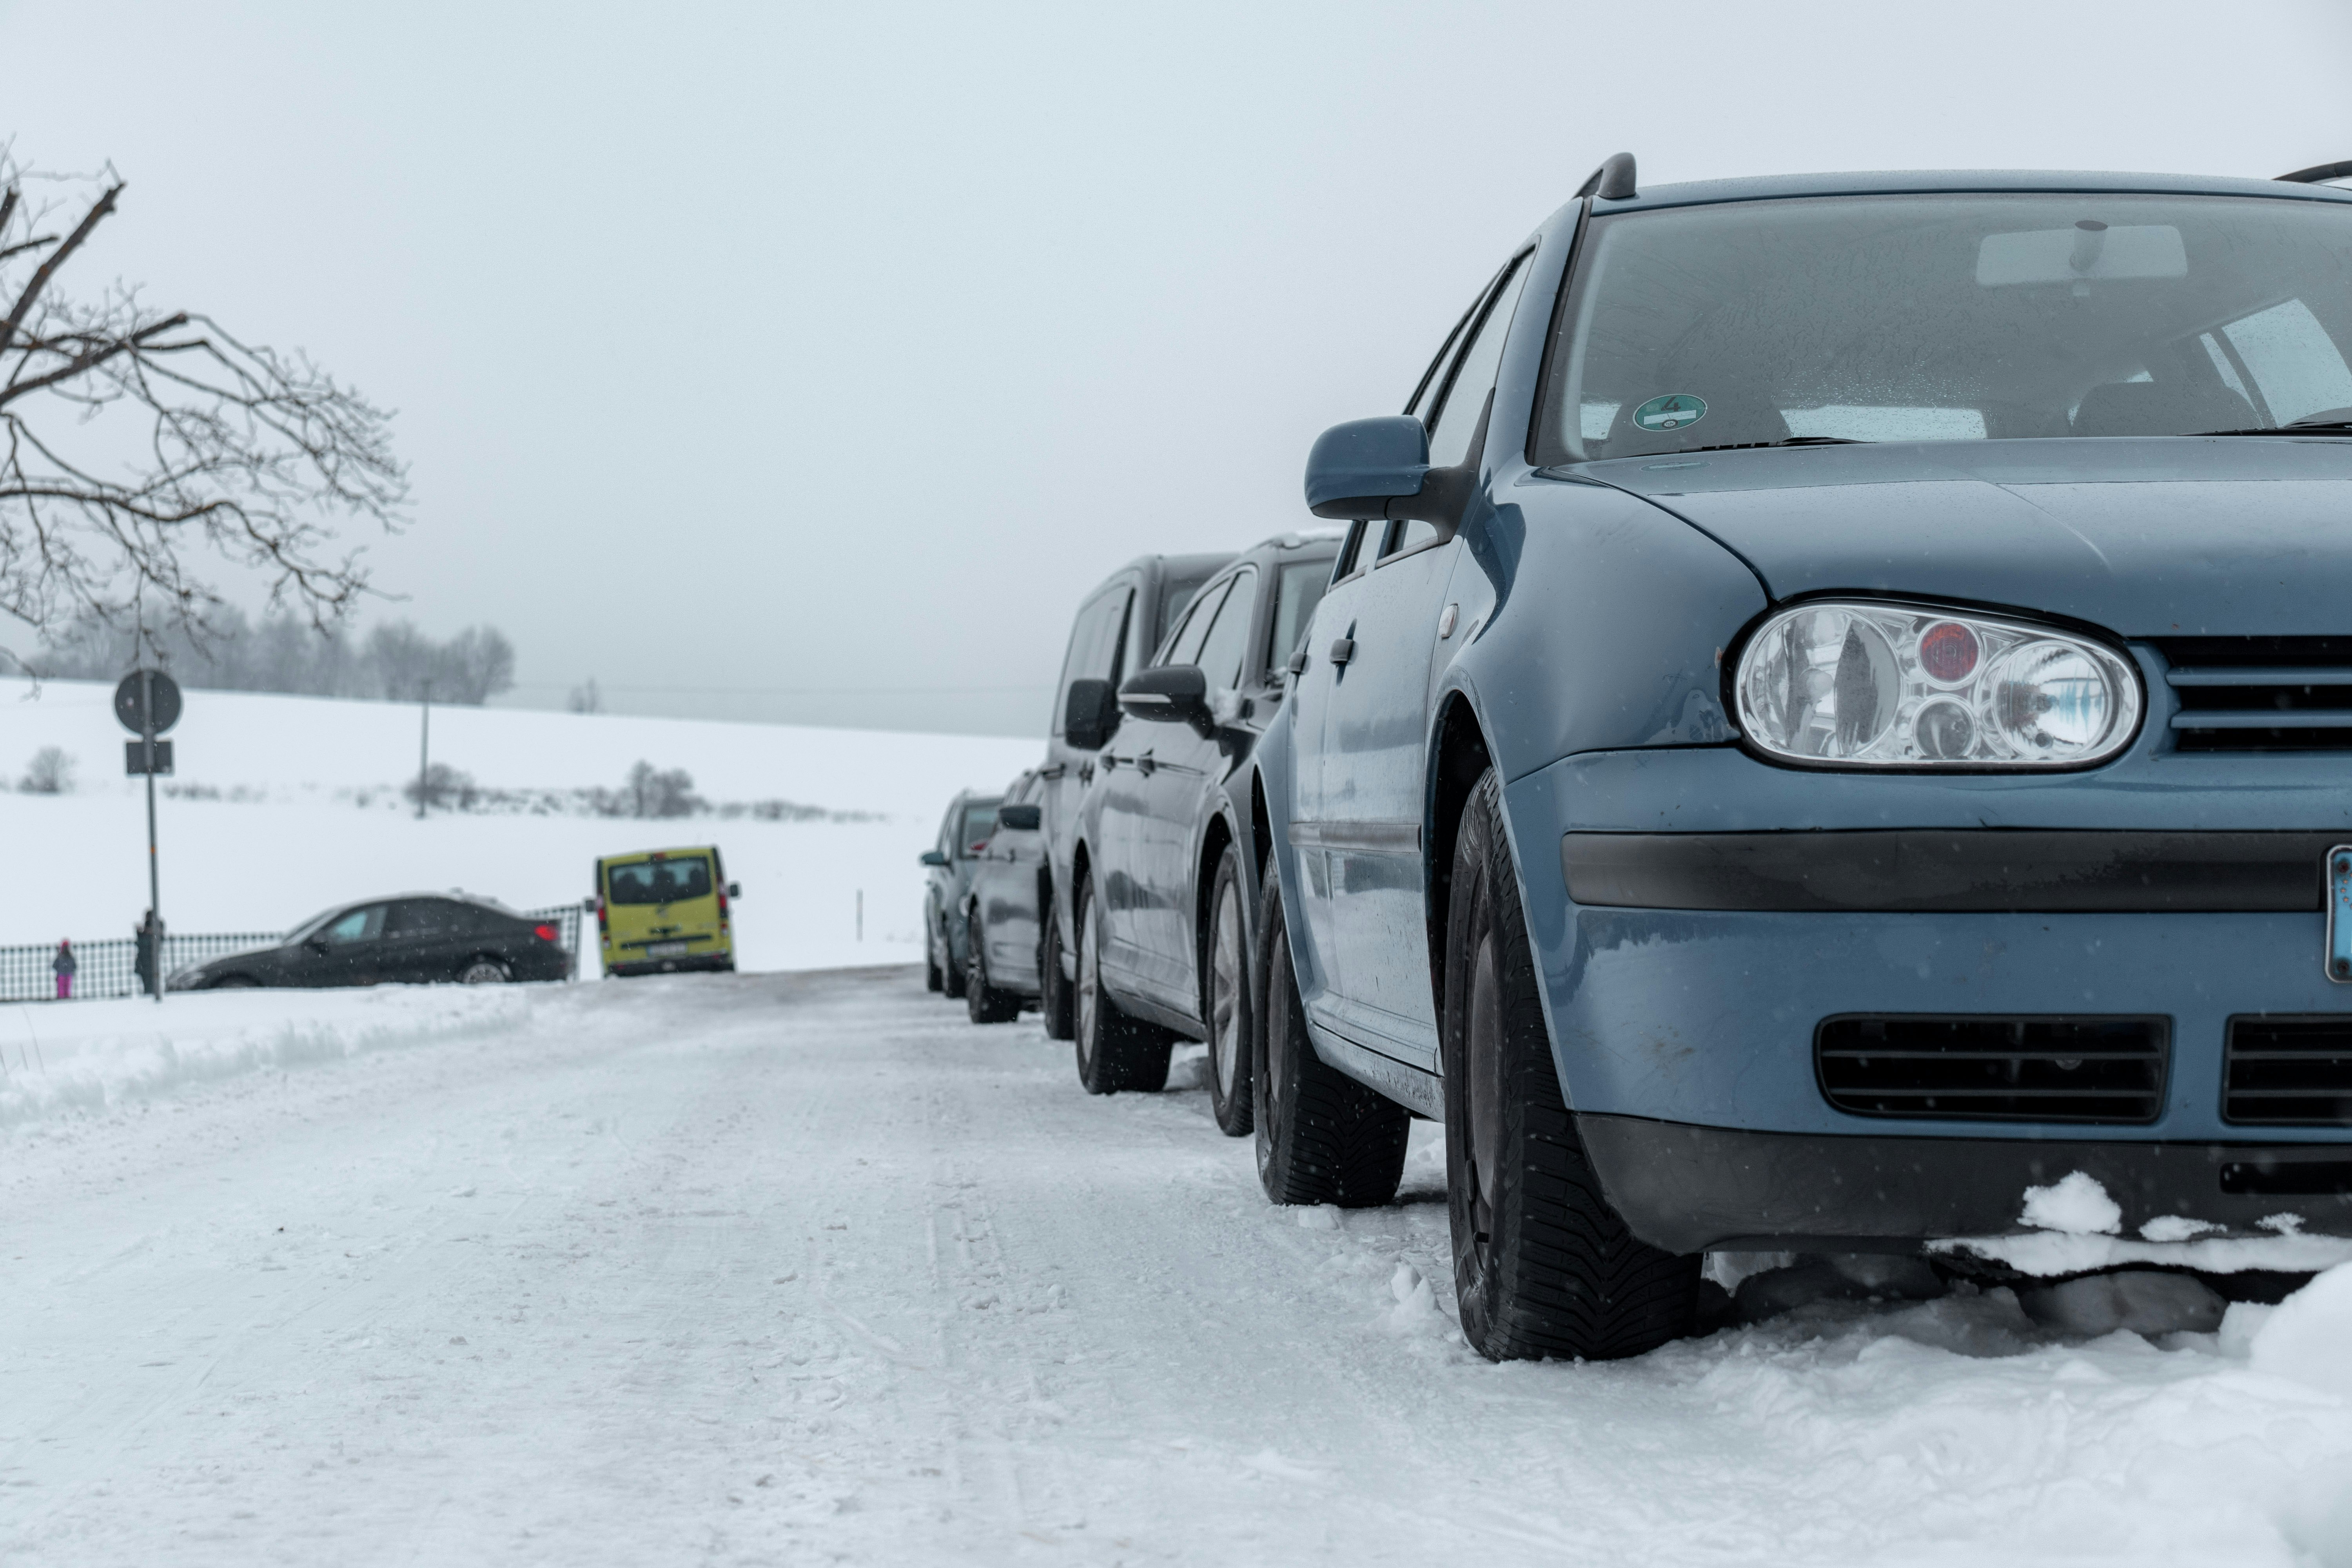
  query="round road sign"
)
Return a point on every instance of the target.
[{"x": 131, "y": 700}]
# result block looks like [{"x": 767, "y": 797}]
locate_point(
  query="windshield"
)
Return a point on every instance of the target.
[{"x": 1951, "y": 317}]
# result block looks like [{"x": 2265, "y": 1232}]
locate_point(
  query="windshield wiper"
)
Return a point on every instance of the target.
[
  {"x": 1784, "y": 441},
  {"x": 2334, "y": 422}
]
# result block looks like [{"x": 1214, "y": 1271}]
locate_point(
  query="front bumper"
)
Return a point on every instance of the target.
[
  {"x": 1694, "y": 1189},
  {"x": 1685, "y": 1035}
]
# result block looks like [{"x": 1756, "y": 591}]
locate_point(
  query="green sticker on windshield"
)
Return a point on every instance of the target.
[{"x": 1671, "y": 412}]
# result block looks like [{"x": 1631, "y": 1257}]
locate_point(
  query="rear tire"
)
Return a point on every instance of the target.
[
  {"x": 1542, "y": 1264},
  {"x": 483, "y": 972},
  {"x": 1115, "y": 1052},
  {"x": 933, "y": 980},
  {"x": 1052, "y": 989},
  {"x": 1225, "y": 1000},
  {"x": 1322, "y": 1137},
  {"x": 983, "y": 1002}
]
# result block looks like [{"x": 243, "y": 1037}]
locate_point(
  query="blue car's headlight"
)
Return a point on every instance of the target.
[{"x": 1870, "y": 684}]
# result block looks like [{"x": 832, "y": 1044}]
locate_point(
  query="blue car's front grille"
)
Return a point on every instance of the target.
[
  {"x": 2261, "y": 694},
  {"x": 1969, "y": 1068},
  {"x": 2289, "y": 1073}
]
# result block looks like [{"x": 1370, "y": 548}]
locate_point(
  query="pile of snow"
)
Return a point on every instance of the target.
[
  {"x": 284, "y": 805},
  {"x": 2074, "y": 1230},
  {"x": 100, "y": 1055}
]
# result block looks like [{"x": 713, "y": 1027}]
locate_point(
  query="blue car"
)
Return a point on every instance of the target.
[{"x": 1835, "y": 709}]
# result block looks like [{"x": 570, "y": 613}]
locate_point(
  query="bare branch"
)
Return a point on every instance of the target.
[{"x": 48, "y": 269}]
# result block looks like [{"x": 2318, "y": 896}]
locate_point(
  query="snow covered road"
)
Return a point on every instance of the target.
[{"x": 787, "y": 1269}]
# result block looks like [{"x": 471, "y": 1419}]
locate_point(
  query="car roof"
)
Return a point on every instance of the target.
[
  {"x": 1917, "y": 182},
  {"x": 649, "y": 854},
  {"x": 446, "y": 895}
]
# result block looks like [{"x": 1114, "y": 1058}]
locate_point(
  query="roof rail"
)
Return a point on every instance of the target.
[
  {"x": 2319, "y": 173},
  {"x": 1614, "y": 181}
]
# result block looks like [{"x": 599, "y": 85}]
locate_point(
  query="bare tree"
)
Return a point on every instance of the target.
[
  {"x": 51, "y": 771},
  {"x": 133, "y": 437}
]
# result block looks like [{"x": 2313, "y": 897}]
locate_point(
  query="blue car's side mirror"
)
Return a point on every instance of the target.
[
  {"x": 933, "y": 858},
  {"x": 1356, "y": 468}
]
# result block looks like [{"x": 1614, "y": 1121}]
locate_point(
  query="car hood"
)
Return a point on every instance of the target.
[{"x": 2147, "y": 537}]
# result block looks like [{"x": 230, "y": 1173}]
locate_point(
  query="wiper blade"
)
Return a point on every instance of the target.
[
  {"x": 2296, "y": 427},
  {"x": 1785, "y": 441}
]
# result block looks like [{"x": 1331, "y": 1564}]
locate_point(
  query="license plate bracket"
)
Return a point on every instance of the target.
[
  {"x": 2339, "y": 914},
  {"x": 675, "y": 949}
]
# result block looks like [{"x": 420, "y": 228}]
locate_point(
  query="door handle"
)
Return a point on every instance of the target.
[
  {"x": 1056, "y": 771},
  {"x": 1145, "y": 765},
  {"x": 1085, "y": 772},
  {"x": 1342, "y": 649}
]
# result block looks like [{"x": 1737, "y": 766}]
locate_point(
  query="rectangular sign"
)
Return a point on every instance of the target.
[{"x": 134, "y": 760}]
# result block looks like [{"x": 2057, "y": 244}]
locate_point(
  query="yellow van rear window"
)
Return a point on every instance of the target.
[{"x": 660, "y": 881}]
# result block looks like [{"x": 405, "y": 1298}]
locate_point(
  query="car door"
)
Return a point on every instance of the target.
[
  {"x": 1098, "y": 640},
  {"x": 1127, "y": 832},
  {"x": 424, "y": 941},
  {"x": 1189, "y": 767},
  {"x": 1005, "y": 886},
  {"x": 1374, "y": 776},
  {"x": 347, "y": 951}
]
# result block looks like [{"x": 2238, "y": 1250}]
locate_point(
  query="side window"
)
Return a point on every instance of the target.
[
  {"x": 1085, "y": 633},
  {"x": 1432, "y": 386},
  {"x": 1184, "y": 648},
  {"x": 1351, "y": 551},
  {"x": 2291, "y": 361},
  {"x": 1222, "y": 650},
  {"x": 1411, "y": 534},
  {"x": 1463, "y": 396},
  {"x": 417, "y": 919},
  {"x": 1119, "y": 631},
  {"x": 1297, "y": 589},
  {"x": 360, "y": 925}
]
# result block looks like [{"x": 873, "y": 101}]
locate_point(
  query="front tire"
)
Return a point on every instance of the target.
[
  {"x": 1115, "y": 1052},
  {"x": 1054, "y": 989},
  {"x": 983, "y": 1002},
  {"x": 1542, "y": 1264},
  {"x": 1225, "y": 1000},
  {"x": 1322, "y": 1137},
  {"x": 934, "y": 977},
  {"x": 950, "y": 971}
]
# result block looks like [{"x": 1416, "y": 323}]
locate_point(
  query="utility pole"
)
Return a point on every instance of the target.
[{"x": 424, "y": 753}]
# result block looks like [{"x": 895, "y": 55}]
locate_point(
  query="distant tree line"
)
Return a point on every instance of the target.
[{"x": 279, "y": 653}]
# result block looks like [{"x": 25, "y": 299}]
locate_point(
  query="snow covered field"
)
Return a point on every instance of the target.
[
  {"x": 296, "y": 807},
  {"x": 799, "y": 1269}
]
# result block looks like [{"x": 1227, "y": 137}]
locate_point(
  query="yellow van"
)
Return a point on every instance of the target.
[{"x": 663, "y": 910}]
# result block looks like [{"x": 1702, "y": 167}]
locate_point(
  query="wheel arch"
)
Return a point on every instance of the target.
[
  {"x": 1459, "y": 757},
  {"x": 1219, "y": 834}
]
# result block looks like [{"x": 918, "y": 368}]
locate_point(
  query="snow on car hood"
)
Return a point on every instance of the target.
[{"x": 2147, "y": 537}]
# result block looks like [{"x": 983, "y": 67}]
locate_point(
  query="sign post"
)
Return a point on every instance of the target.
[{"x": 148, "y": 703}]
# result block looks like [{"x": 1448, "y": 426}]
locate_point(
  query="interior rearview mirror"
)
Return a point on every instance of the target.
[
  {"x": 1019, "y": 819},
  {"x": 934, "y": 858},
  {"x": 1168, "y": 693},
  {"x": 1090, "y": 714}
]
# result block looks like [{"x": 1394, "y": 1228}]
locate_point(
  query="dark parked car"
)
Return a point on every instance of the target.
[
  {"x": 1010, "y": 889},
  {"x": 1117, "y": 627},
  {"x": 1169, "y": 850},
  {"x": 1834, "y": 711},
  {"x": 970, "y": 818},
  {"x": 416, "y": 938}
]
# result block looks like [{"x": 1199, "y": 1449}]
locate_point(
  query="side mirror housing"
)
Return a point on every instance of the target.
[
  {"x": 734, "y": 889},
  {"x": 1090, "y": 715},
  {"x": 934, "y": 858},
  {"x": 1169, "y": 694},
  {"x": 317, "y": 944},
  {"x": 1356, "y": 468},
  {"x": 1019, "y": 818}
]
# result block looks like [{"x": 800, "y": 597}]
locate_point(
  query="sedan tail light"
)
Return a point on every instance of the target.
[{"x": 545, "y": 932}]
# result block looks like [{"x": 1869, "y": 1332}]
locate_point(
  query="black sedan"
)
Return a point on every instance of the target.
[{"x": 416, "y": 938}]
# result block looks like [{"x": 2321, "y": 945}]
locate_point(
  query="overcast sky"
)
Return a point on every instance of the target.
[{"x": 808, "y": 363}]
